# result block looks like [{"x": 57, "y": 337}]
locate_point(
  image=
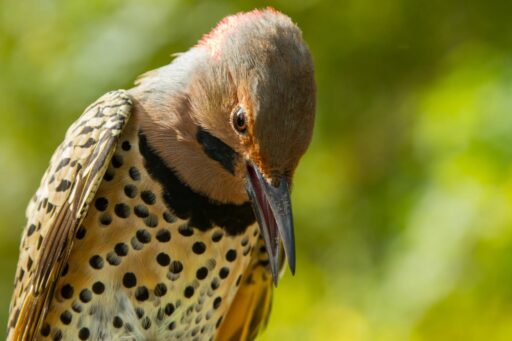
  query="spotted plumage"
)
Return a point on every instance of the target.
[
  {"x": 130, "y": 251},
  {"x": 163, "y": 215}
]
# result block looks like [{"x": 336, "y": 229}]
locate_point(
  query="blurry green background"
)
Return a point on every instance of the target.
[{"x": 403, "y": 204}]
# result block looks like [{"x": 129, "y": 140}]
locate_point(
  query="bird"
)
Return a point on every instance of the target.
[{"x": 166, "y": 213}]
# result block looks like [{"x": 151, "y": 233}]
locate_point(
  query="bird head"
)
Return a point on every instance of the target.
[{"x": 249, "y": 89}]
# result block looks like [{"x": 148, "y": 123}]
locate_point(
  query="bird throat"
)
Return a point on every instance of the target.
[{"x": 202, "y": 212}]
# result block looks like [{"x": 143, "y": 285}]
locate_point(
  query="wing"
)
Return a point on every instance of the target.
[
  {"x": 250, "y": 310},
  {"x": 59, "y": 206}
]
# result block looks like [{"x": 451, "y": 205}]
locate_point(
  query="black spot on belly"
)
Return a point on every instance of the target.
[
  {"x": 151, "y": 220},
  {"x": 148, "y": 197},
  {"x": 217, "y": 236},
  {"x": 163, "y": 259},
  {"x": 118, "y": 322},
  {"x": 217, "y": 302},
  {"x": 45, "y": 330},
  {"x": 231, "y": 255},
  {"x": 66, "y": 317},
  {"x": 105, "y": 219},
  {"x": 96, "y": 262},
  {"x": 160, "y": 314},
  {"x": 109, "y": 175},
  {"x": 203, "y": 213},
  {"x": 126, "y": 146},
  {"x": 176, "y": 267},
  {"x": 66, "y": 291},
  {"x": 185, "y": 230},
  {"x": 224, "y": 272},
  {"x": 84, "y": 333},
  {"x": 113, "y": 259},
  {"x": 129, "y": 280},
  {"x": 169, "y": 309},
  {"x": 136, "y": 244},
  {"x": 163, "y": 236},
  {"x": 141, "y": 211},
  {"x": 219, "y": 321},
  {"x": 85, "y": 295},
  {"x": 117, "y": 160},
  {"x": 198, "y": 248},
  {"x": 58, "y": 335},
  {"x": 146, "y": 323},
  {"x": 201, "y": 273},
  {"x": 141, "y": 294},
  {"x": 139, "y": 312},
  {"x": 98, "y": 288},
  {"x": 77, "y": 308},
  {"x": 101, "y": 204},
  {"x": 134, "y": 173},
  {"x": 121, "y": 249},
  {"x": 215, "y": 283},
  {"x": 160, "y": 290},
  {"x": 168, "y": 217},
  {"x": 122, "y": 210},
  {"x": 143, "y": 236},
  {"x": 189, "y": 292},
  {"x": 130, "y": 191}
]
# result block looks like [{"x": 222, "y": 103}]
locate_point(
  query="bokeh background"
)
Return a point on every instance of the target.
[{"x": 403, "y": 204}]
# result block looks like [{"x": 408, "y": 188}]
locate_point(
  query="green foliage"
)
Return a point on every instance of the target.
[{"x": 403, "y": 203}]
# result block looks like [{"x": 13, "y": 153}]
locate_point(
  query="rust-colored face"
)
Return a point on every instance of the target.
[
  {"x": 270, "y": 70},
  {"x": 279, "y": 124}
]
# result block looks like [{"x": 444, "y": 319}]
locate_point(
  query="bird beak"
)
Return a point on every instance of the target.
[{"x": 273, "y": 210}]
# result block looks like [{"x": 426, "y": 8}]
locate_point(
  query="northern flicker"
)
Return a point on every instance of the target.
[{"x": 165, "y": 213}]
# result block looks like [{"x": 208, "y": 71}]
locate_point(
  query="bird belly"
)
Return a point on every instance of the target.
[{"x": 138, "y": 272}]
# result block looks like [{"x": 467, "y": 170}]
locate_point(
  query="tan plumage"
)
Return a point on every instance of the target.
[{"x": 165, "y": 211}]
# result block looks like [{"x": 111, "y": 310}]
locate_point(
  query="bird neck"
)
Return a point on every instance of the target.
[
  {"x": 187, "y": 204},
  {"x": 164, "y": 113}
]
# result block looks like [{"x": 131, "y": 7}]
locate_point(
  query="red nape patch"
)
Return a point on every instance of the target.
[{"x": 213, "y": 40}]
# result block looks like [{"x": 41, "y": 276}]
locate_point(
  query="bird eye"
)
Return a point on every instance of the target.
[{"x": 240, "y": 120}]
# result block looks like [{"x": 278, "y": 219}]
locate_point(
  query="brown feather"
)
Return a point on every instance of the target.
[{"x": 92, "y": 149}]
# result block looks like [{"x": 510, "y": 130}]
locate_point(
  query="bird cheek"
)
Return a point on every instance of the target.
[{"x": 254, "y": 156}]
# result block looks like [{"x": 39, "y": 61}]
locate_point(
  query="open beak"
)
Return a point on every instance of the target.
[{"x": 273, "y": 209}]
